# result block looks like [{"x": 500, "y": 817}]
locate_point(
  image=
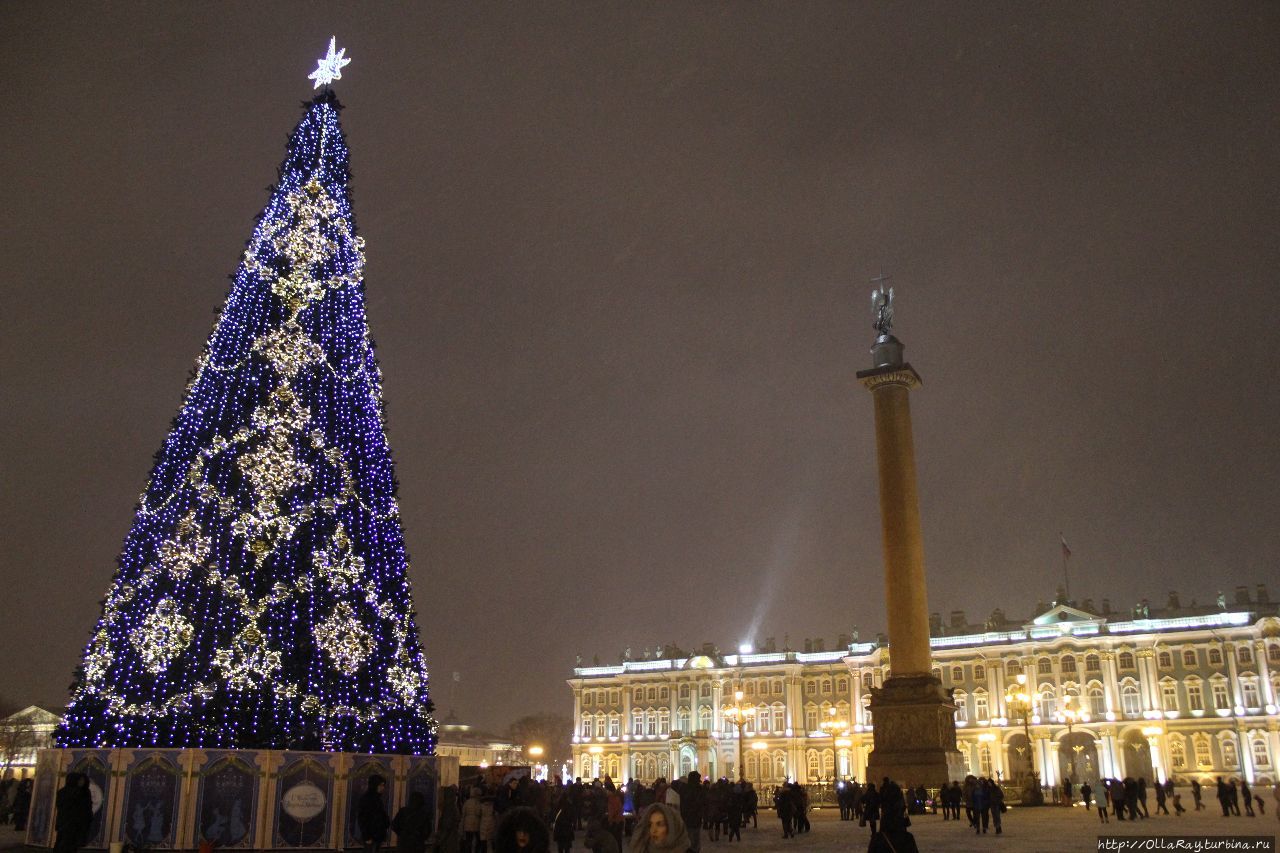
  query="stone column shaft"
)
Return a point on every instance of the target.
[{"x": 905, "y": 596}]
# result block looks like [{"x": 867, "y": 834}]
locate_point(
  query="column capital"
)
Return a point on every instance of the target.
[{"x": 904, "y": 375}]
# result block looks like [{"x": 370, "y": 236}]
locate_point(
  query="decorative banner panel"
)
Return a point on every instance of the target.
[
  {"x": 152, "y": 787},
  {"x": 364, "y": 768},
  {"x": 40, "y": 819},
  {"x": 227, "y": 800},
  {"x": 304, "y": 800},
  {"x": 95, "y": 765},
  {"x": 424, "y": 777}
]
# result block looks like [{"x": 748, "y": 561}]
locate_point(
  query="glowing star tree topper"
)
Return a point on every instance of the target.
[
  {"x": 329, "y": 67},
  {"x": 262, "y": 599}
]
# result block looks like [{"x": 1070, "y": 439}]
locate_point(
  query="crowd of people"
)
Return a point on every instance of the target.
[
  {"x": 1127, "y": 798},
  {"x": 526, "y": 816}
]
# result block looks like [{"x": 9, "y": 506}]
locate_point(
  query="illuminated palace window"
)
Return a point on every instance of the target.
[
  {"x": 1178, "y": 752},
  {"x": 1195, "y": 696},
  {"x": 1260, "y": 756},
  {"x": 1220, "y": 699},
  {"x": 1189, "y": 657},
  {"x": 1130, "y": 699}
]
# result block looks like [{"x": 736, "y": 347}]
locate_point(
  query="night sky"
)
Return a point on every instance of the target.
[{"x": 618, "y": 275}]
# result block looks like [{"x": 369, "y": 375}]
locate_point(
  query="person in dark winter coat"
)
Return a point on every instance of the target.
[
  {"x": 75, "y": 813},
  {"x": 22, "y": 805},
  {"x": 893, "y": 836},
  {"x": 371, "y": 815},
  {"x": 521, "y": 831},
  {"x": 693, "y": 808},
  {"x": 449, "y": 827},
  {"x": 564, "y": 826},
  {"x": 871, "y": 807},
  {"x": 412, "y": 825},
  {"x": 598, "y": 839}
]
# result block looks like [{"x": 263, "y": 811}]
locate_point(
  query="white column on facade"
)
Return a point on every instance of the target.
[
  {"x": 1111, "y": 681},
  {"x": 794, "y": 699},
  {"x": 1245, "y": 750},
  {"x": 1234, "y": 679},
  {"x": 626, "y": 710},
  {"x": 1106, "y": 756},
  {"x": 999, "y": 756},
  {"x": 997, "y": 678},
  {"x": 856, "y": 708},
  {"x": 1150, "y": 680},
  {"x": 1048, "y": 768},
  {"x": 1264, "y": 673},
  {"x": 1156, "y": 748}
]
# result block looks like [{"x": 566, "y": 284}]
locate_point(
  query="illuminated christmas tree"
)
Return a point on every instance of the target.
[{"x": 262, "y": 598}]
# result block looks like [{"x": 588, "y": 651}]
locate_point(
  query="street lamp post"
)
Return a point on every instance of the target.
[
  {"x": 1018, "y": 699},
  {"x": 836, "y": 728},
  {"x": 535, "y": 752},
  {"x": 737, "y": 715}
]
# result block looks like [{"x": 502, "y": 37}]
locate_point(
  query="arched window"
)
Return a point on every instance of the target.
[
  {"x": 664, "y": 767},
  {"x": 1249, "y": 692},
  {"x": 1097, "y": 701},
  {"x": 682, "y": 720},
  {"x": 684, "y": 691},
  {"x": 957, "y": 673},
  {"x": 1130, "y": 699},
  {"x": 1092, "y": 663},
  {"x": 826, "y": 685},
  {"x": 981, "y": 709},
  {"x": 868, "y": 681},
  {"x": 1044, "y": 666},
  {"x": 828, "y": 763},
  {"x": 585, "y": 767},
  {"x": 812, "y": 764},
  {"x": 1215, "y": 656},
  {"x": 1164, "y": 660},
  {"x": 984, "y": 760},
  {"x": 962, "y": 706},
  {"x": 1189, "y": 657},
  {"x": 1046, "y": 702},
  {"x": 664, "y": 721},
  {"x": 1068, "y": 663},
  {"x": 811, "y": 718},
  {"x": 979, "y": 673},
  {"x": 1178, "y": 752},
  {"x": 1125, "y": 660},
  {"x": 779, "y": 766},
  {"x": 1273, "y": 652},
  {"x": 704, "y": 718},
  {"x": 1012, "y": 668},
  {"x": 842, "y": 685},
  {"x": 1244, "y": 654},
  {"x": 705, "y": 690},
  {"x": 752, "y": 765},
  {"x": 1230, "y": 756},
  {"x": 866, "y": 711},
  {"x": 1204, "y": 757},
  {"x": 1261, "y": 758},
  {"x": 653, "y": 694}
]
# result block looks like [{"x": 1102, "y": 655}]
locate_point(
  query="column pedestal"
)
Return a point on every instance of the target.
[{"x": 914, "y": 732}]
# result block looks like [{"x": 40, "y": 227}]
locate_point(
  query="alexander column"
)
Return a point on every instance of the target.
[{"x": 913, "y": 716}]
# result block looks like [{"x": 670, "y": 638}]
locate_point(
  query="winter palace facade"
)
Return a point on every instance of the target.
[{"x": 1077, "y": 692}]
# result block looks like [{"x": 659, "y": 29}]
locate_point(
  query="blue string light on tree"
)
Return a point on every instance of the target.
[{"x": 262, "y": 598}]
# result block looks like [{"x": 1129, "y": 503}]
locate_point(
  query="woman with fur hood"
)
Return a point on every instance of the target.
[
  {"x": 521, "y": 831},
  {"x": 660, "y": 829}
]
